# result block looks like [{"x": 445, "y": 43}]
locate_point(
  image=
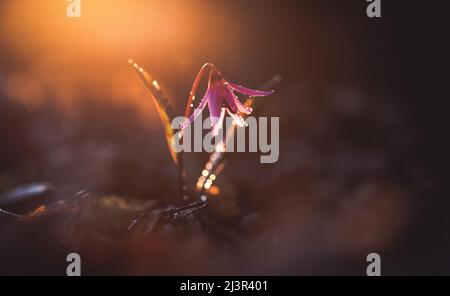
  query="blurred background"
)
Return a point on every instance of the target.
[{"x": 362, "y": 146}]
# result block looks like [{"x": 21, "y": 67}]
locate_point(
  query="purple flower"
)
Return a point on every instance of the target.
[{"x": 220, "y": 97}]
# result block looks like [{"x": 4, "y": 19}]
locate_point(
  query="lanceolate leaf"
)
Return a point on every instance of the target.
[
  {"x": 165, "y": 111},
  {"x": 166, "y": 114}
]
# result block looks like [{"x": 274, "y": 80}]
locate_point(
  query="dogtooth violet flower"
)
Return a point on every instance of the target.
[{"x": 220, "y": 97}]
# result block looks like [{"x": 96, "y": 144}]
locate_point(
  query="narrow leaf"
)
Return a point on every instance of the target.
[
  {"x": 166, "y": 114},
  {"x": 165, "y": 111}
]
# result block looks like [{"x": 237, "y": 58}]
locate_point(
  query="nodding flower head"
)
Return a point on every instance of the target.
[{"x": 220, "y": 97}]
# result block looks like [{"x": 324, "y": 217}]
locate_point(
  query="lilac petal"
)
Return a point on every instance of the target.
[
  {"x": 215, "y": 101},
  {"x": 196, "y": 112},
  {"x": 250, "y": 92},
  {"x": 235, "y": 104},
  {"x": 231, "y": 99}
]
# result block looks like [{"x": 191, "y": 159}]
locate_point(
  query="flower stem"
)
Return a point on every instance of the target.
[{"x": 195, "y": 86}]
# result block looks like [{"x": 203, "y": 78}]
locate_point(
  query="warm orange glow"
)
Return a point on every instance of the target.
[
  {"x": 105, "y": 25},
  {"x": 214, "y": 190},
  {"x": 71, "y": 58}
]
